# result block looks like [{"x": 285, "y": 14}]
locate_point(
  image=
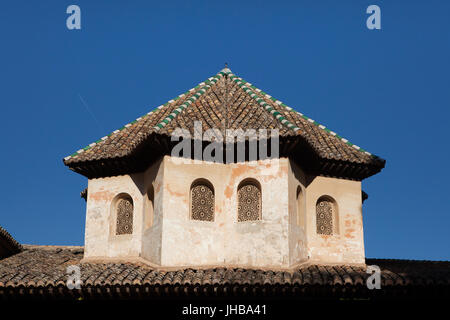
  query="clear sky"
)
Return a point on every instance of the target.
[{"x": 385, "y": 90}]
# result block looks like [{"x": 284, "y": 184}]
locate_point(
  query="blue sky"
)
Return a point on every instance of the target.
[{"x": 385, "y": 90}]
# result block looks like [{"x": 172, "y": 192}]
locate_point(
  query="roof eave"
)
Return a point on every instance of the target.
[{"x": 156, "y": 146}]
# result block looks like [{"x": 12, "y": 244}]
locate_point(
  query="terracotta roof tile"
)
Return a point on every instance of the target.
[
  {"x": 224, "y": 101},
  {"x": 45, "y": 266},
  {"x": 8, "y": 245}
]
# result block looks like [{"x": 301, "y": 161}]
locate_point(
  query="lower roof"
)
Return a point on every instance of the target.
[{"x": 41, "y": 270}]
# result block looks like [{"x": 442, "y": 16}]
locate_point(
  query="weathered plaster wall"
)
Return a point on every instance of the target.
[
  {"x": 225, "y": 241},
  {"x": 165, "y": 235},
  {"x": 297, "y": 225},
  {"x": 153, "y": 212},
  {"x": 347, "y": 246},
  {"x": 100, "y": 237}
]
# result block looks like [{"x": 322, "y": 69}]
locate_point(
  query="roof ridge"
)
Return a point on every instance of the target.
[
  {"x": 277, "y": 115},
  {"x": 14, "y": 245},
  {"x": 203, "y": 89},
  {"x": 51, "y": 246},
  {"x": 242, "y": 83},
  {"x": 200, "y": 87}
]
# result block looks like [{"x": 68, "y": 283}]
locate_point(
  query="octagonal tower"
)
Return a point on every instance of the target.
[{"x": 178, "y": 187}]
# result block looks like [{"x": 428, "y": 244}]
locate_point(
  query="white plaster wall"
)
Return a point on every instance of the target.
[
  {"x": 153, "y": 219},
  {"x": 186, "y": 242},
  {"x": 348, "y": 245},
  {"x": 298, "y": 251},
  {"x": 170, "y": 238},
  {"x": 100, "y": 237}
]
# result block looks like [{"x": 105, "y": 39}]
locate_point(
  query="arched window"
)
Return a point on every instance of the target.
[
  {"x": 300, "y": 207},
  {"x": 124, "y": 215},
  {"x": 202, "y": 200},
  {"x": 326, "y": 216},
  {"x": 249, "y": 200},
  {"x": 149, "y": 210}
]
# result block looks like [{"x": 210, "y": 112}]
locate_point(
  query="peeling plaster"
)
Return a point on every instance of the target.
[{"x": 174, "y": 239}]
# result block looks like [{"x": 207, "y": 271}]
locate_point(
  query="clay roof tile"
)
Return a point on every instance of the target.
[{"x": 224, "y": 101}]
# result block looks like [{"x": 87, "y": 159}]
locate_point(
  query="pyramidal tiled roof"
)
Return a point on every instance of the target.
[{"x": 224, "y": 101}]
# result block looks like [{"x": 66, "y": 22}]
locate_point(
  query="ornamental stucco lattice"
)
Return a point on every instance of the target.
[
  {"x": 202, "y": 203},
  {"x": 249, "y": 202},
  {"x": 124, "y": 217},
  {"x": 324, "y": 217}
]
